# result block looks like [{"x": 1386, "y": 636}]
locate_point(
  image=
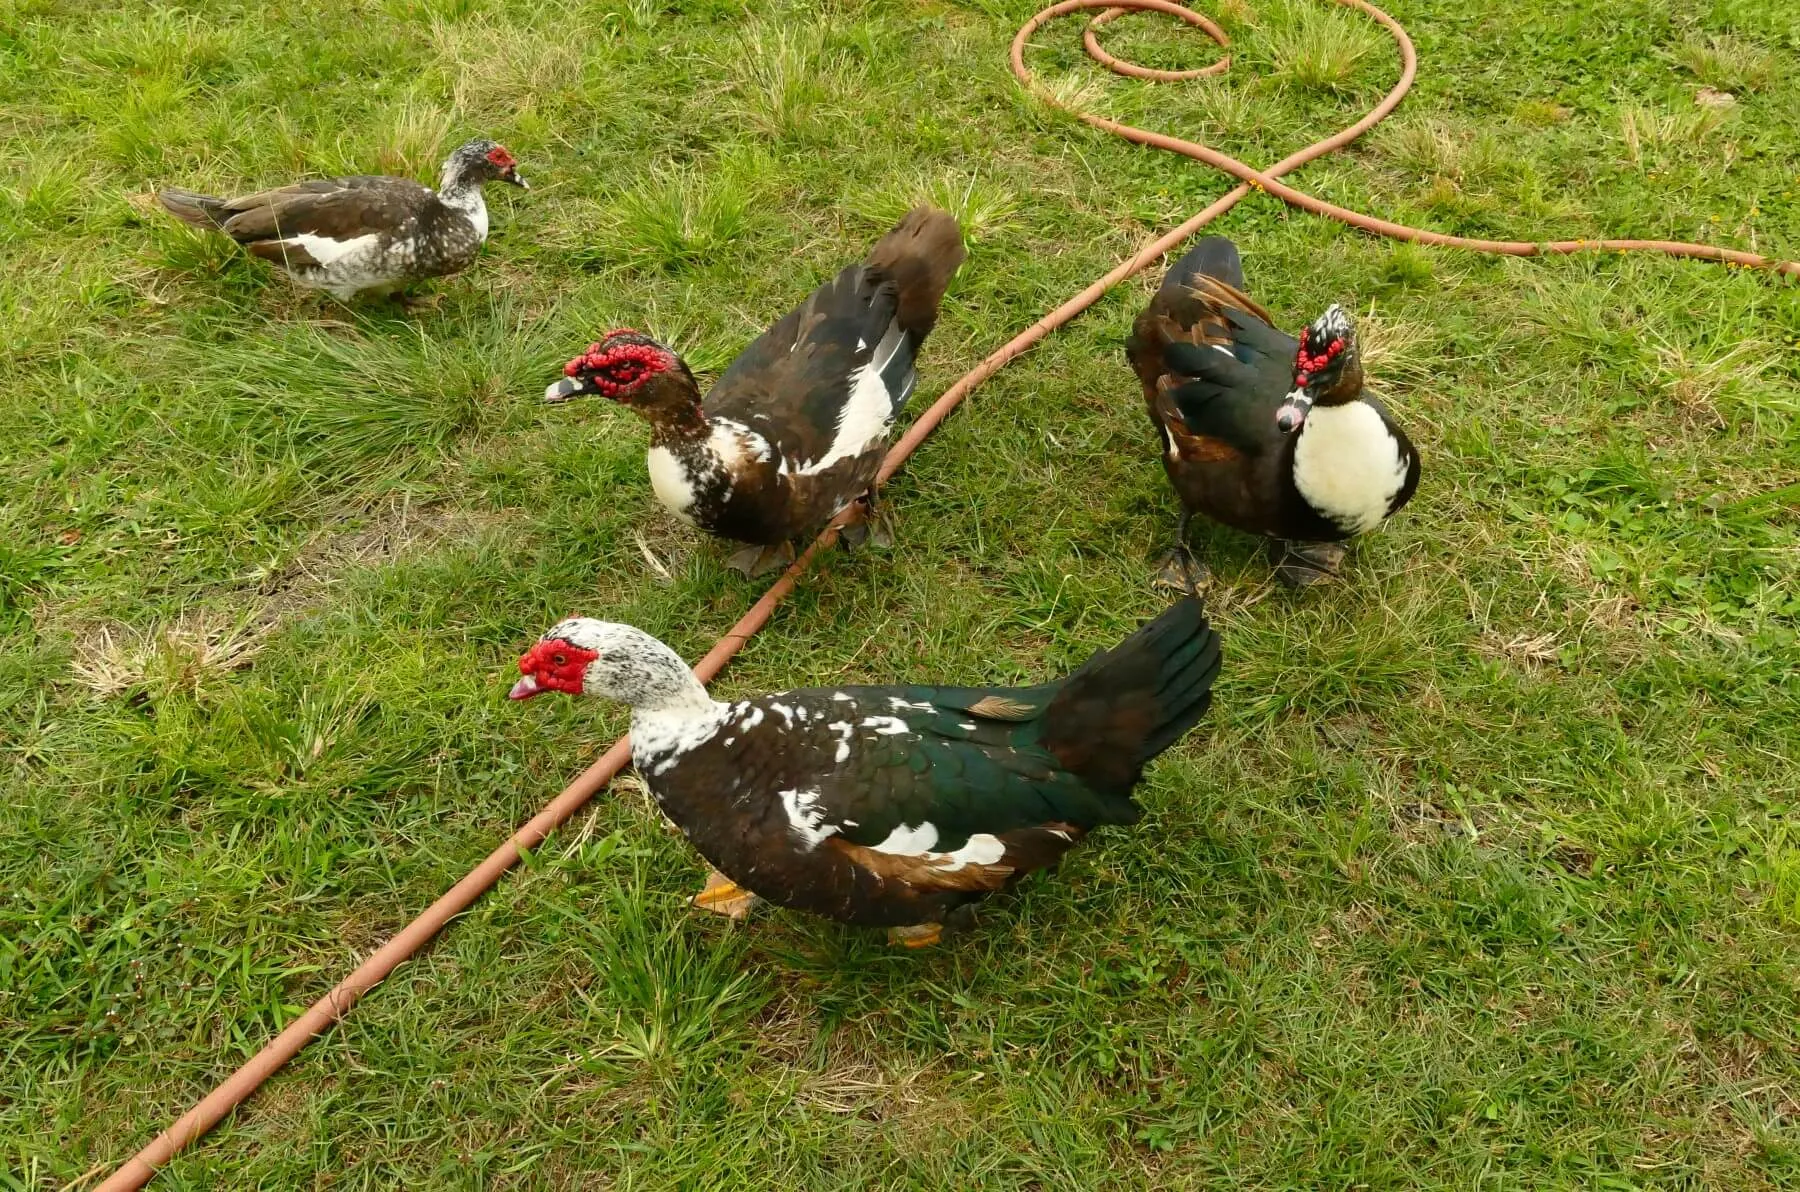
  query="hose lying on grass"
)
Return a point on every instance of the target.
[{"x": 338, "y": 1002}]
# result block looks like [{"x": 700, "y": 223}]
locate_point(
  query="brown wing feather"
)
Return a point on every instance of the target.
[
  {"x": 1187, "y": 446},
  {"x": 922, "y": 871},
  {"x": 282, "y": 252},
  {"x": 340, "y": 208}
]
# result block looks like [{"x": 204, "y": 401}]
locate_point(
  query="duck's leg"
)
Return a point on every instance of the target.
[
  {"x": 1303, "y": 564},
  {"x": 922, "y": 936},
  {"x": 722, "y": 896},
  {"x": 753, "y": 561},
  {"x": 1180, "y": 571},
  {"x": 872, "y": 526}
]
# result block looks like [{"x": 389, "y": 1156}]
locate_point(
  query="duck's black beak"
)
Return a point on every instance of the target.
[
  {"x": 511, "y": 174},
  {"x": 564, "y": 389},
  {"x": 1291, "y": 414}
]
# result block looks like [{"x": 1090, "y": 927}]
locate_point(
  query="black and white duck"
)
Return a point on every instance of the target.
[
  {"x": 797, "y": 426},
  {"x": 362, "y": 233},
  {"x": 1266, "y": 433},
  {"x": 889, "y": 806}
]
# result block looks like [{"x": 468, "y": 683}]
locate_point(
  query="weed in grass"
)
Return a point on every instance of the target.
[
  {"x": 1727, "y": 63},
  {"x": 1646, "y": 132},
  {"x": 680, "y": 217},
  {"x": 787, "y": 78},
  {"x": 1319, "y": 50}
]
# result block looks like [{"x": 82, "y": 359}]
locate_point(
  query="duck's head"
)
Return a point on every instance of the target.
[
  {"x": 582, "y": 656},
  {"x": 480, "y": 161},
  {"x": 1327, "y": 369},
  {"x": 632, "y": 369}
]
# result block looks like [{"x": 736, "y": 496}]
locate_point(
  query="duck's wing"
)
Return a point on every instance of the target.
[
  {"x": 826, "y": 382},
  {"x": 1211, "y": 361},
  {"x": 813, "y": 385},
  {"x": 312, "y": 223},
  {"x": 963, "y": 787}
]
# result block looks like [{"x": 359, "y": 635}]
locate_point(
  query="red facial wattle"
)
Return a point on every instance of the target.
[
  {"x": 614, "y": 369},
  {"x": 1308, "y": 364},
  {"x": 552, "y": 665}
]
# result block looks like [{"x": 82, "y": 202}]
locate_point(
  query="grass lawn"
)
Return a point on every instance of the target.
[{"x": 1483, "y": 871}]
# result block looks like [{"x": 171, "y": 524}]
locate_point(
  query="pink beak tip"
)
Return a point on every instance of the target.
[{"x": 525, "y": 688}]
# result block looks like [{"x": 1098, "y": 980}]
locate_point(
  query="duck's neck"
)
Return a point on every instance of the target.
[
  {"x": 463, "y": 195},
  {"x": 680, "y": 422},
  {"x": 664, "y": 729}
]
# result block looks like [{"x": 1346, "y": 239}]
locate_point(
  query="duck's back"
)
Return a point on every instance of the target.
[{"x": 832, "y": 374}]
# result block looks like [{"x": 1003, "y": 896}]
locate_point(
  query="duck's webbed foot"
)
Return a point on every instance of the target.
[
  {"x": 722, "y": 896},
  {"x": 754, "y": 561},
  {"x": 1180, "y": 570},
  {"x": 1303, "y": 564},
  {"x": 923, "y": 935},
  {"x": 873, "y": 526}
]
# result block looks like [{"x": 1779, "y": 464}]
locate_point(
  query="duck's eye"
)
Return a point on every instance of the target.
[{"x": 560, "y": 659}]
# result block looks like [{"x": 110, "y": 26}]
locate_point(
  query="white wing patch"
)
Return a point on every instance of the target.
[
  {"x": 328, "y": 251},
  {"x": 917, "y": 841},
  {"x": 868, "y": 410},
  {"x": 889, "y": 725},
  {"x": 1348, "y": 465},
  {"x": 845, "y": 730},
  {"x": 805, "y": 817}
]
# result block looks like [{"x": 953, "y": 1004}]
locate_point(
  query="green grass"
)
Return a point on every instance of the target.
[{"x": 1484, "y": 870}]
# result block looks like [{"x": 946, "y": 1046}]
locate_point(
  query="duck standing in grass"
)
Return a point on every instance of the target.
[
  {"x": 889, "y": 806},
  {"x": 350, "y": 235},
  {"x": 1260, "y": 431},
  {"x": 797, "y": 427}
]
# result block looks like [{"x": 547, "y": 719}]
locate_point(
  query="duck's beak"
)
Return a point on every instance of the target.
[
  {"x": 526, "y": 688},
  {"x": 1291, "y": 414},
  {"x": 562, "y": 390},
  {"x": 512, "y": 175}
]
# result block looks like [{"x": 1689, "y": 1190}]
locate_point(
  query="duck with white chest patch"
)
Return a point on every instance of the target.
[
  {"x": 888, "y": 806},
  {"x": 362, "y": 233},
  {"x": 1260, "y": 431},
  {"x": 796, "y": 428}
]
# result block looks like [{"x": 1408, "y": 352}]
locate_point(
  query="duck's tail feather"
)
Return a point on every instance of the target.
[
  {"x": 1213, "y": 256},
  {"x": 191, "y": 207},
  {"x": 1128, "y": 704},
  {"x": 921, "y": 254}
]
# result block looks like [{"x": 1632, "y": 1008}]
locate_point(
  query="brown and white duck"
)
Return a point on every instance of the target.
[
  {"x": 350, "y": 235},
  {"x": 889, "y": 806},
  {"x": 1260, "y": 431},
  {"x": 796, "y": 428}
]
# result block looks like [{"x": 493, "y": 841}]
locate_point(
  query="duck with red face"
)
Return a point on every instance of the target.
[
  {"x": 1263, "y": 432},
  {"x": 894, "y": 807},
  {"x": 795, "y": 429}
]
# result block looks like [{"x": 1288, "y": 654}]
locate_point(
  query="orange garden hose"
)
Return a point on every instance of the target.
[{"x": 338, "y": 1002}]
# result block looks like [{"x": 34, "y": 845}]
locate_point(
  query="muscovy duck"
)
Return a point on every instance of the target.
[
  {"x": 889, "y": 806},
  {"x": 796, "y": 428},
  {"x": 365, "y": 232},
  {"x": 1260, "y": 431}
]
